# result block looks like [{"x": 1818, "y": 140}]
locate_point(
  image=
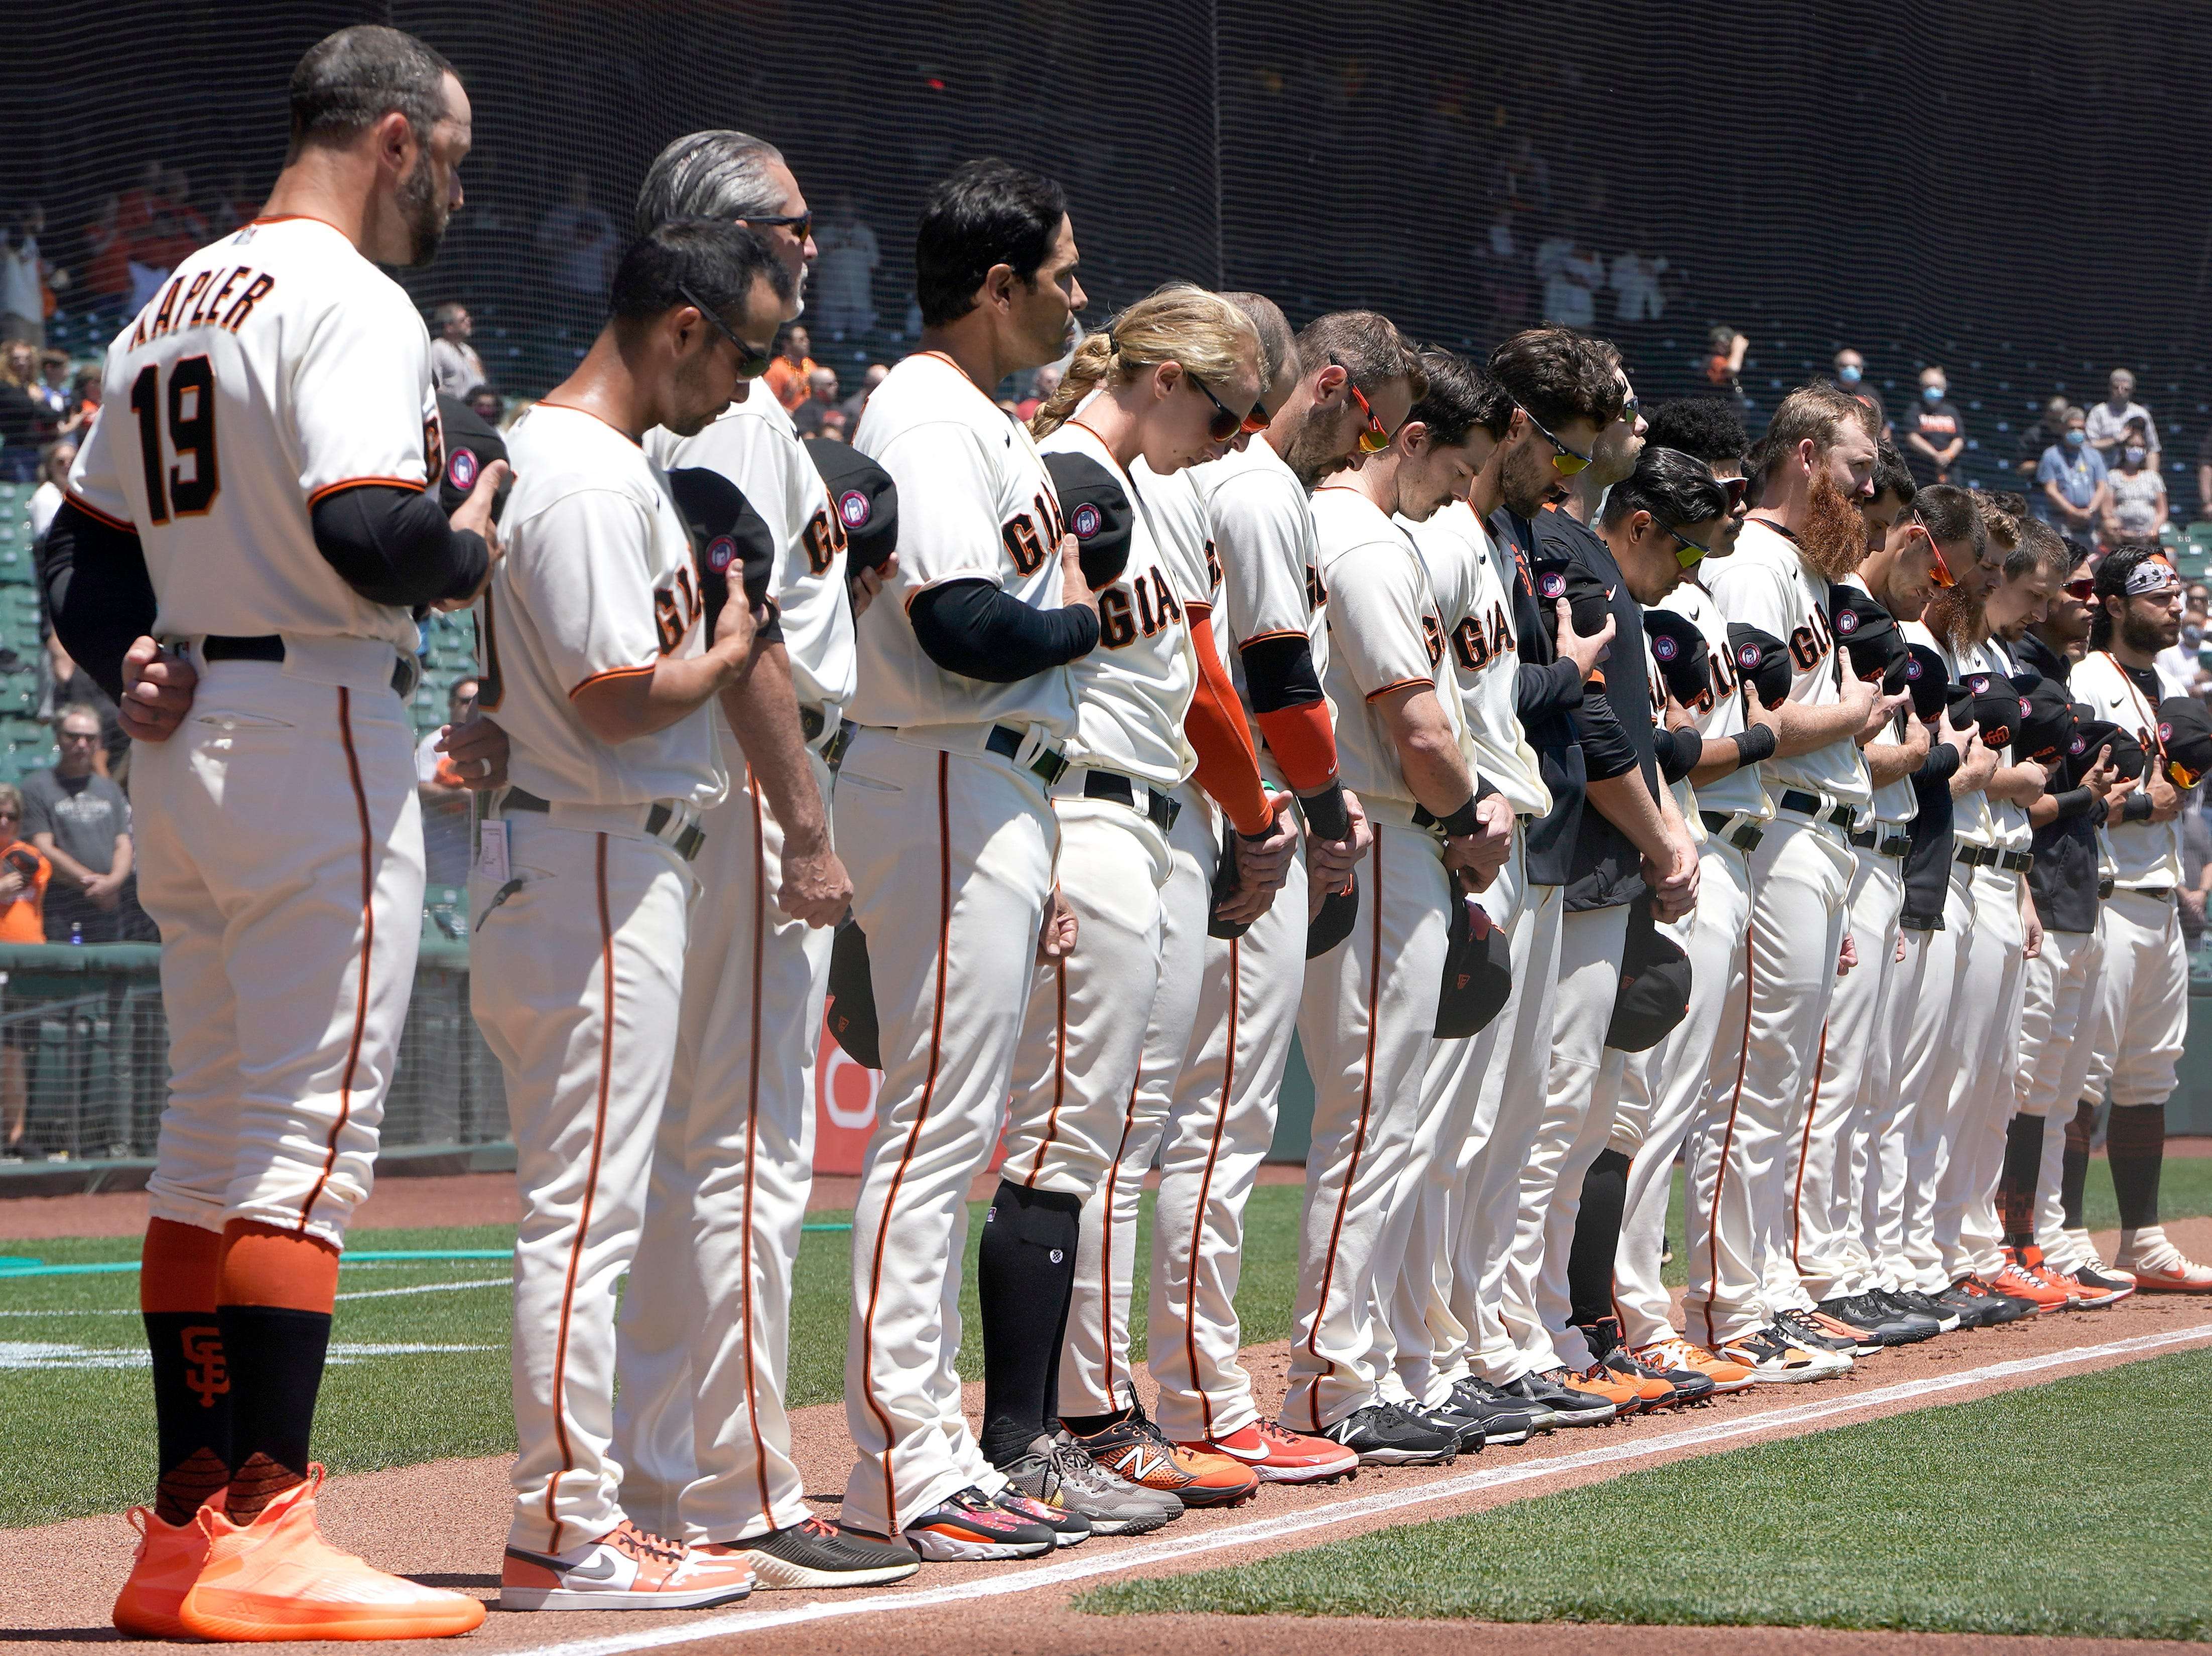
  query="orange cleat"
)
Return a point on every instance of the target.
[
  {"x": 277, "y": 1579},
  {"x": 2023, "y": 1282},
  {"x": 1134, "y": 1449},
  {"x": 626, "y": 1568},
  {"x": 1678, "y": 1353},
  {"x": 168, "y": 1560},
  {"x": 2160, "y": 1267},
  {"x": 1276, "y": 1455},
  {"x": 1628, "y": 1393}
]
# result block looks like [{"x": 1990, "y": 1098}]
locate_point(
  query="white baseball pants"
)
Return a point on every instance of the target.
[
  {"x": 577, "y": 984},
  {"x": 1968, "y": 1233},
  {"x": 1878, "y": 1175},
  {"x": 2142, "y": 1007},
  {"x": 1687, "y": 1072},
  {"x": 1933, "y": 1055},
  {"x": 280, "y": 850},
  {"x": 2058, "y": 1006},
  {"x": 703, "y": 1344},
  {"x": 951, "y": 856},
  {"x": 1737, "y": 1198},
  {"x": 1366, "y": 1022}
]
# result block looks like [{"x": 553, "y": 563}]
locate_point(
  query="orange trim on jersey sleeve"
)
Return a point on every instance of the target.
[
  {"x": 367, "y": 483},
  {"x": 1393, "y": 688},
  {"x": 1228, "y": 763},
  {"x": 1304, "y": 742},
  {"x": 1279, "y": 632},
  {"x": 96, "y": 514},
  {"x": 615, "y": 672}
]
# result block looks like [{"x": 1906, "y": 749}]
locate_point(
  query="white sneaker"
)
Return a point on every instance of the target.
[
  {"x": 2159, "y": 1267},
  {"x": 1774, "y": 1359},
  {"x": 626, "y": 1568}
]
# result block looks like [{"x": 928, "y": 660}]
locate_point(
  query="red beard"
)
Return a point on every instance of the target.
[{"x": 1832, "y": 538}]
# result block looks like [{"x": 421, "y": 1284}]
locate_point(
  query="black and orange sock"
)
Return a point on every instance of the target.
[
  {"x": 1025, "y": 1278},
  {"x": 2135, "y": 1149},
  {"x": 2073, "y": 1172},
  {"x": 274, "y": 1305},
  {"x": 177, "y": 1273},
  {"x": 2016, "y": 1184}
]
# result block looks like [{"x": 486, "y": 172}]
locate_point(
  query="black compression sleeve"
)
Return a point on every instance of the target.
[
  {"x": 2136, "y": 807},
  {"x": 1555, "y": 687},
  {"x": 97, "y": 592},
  {"x": 1278, "y": 672},
  {"x": 1679, "y": 752},
  {"x": 394, "y": 546},
  {"x": 1607, "y": 750},
  {"x": 972, "y": 629},
  {"x": 2076, "y": 802},
  {"x": 1940, "y": 765},
  {"x": 1753, "y": 744}
]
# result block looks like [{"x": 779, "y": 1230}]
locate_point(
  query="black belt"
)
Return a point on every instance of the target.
[
  {"x": 812, "y": 721},
  {"x": 2157, "y": 894},
  {"x": 1889, "y": 845},
  {"x": 1976, "y": 856},
  {"x": 269, "y": 646},
  {"x": 2104, "y": 888},
  {"x": 1163, "y": 808},
  {"x": 1808, "y": 804},
  {"x": 1050, "y": 764},
  {"x": 1746, "y": 835},
  {"x": 687, "y": 844},
  {"x": 2016, "y": 862}
]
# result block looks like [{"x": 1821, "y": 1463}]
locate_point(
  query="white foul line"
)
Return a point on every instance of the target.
[{"x": 1122, "y": 1559}]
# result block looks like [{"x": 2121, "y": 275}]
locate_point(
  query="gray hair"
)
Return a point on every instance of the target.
[
  {"x": 1278, "y": 345},
  {"x": 718, "y": 174}
]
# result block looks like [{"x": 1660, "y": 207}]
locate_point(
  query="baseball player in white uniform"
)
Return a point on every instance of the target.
[
  {"x": 1806, "y": 532},
  {"x": 700, "y": 1428},
  {"x": 270, "y": 429},
  {"x": 944, "y": 819},
  {"x": 1368, "y": 1012},
  {"x": 598, "y": 666}
]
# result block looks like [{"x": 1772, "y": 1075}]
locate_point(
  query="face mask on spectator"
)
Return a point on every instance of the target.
[
  {"x": 2075, "y": 438},
  {"x": 1931, "y": 393},
  {"x": 1848, "y": 374},
  {"x": 2133, "y": 457}
]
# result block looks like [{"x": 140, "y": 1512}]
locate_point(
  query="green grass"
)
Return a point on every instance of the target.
[
  {"x": 81, "y": 1440},
  {"x": 2082, "y": 1508}
]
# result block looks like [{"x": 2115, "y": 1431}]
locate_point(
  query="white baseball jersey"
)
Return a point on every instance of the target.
[
  {"x": 2142, "y": 853},
  {"x": 1973, "y": 815},
  {"x": 1893, "y": 801},
  {"x": 1132, "y": 691},
  {"x": 276, "y": 366},
  {"x": 1766, "y": 585},
  {"x": 1472, "y": 600},
  {"x": 1384, "y": 633},
  {"x": 1263, "y": 535},
  {"x": 597, "y": 582},
  {"x": 2009, "y": 821},
  {"x": 1186, "y": 544},
  {"x": 1718, "y": 713},
  {"x": 974, "y": 504},
  {"x": 752, "y": 444}
]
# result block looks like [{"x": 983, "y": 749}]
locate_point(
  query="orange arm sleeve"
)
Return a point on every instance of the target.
[
  {"x": 1304, "y": 743},
  {"x": 1228, "y": 763}
]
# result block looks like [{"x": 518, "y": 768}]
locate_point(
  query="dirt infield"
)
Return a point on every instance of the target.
[{"x": 443, "y": 1521}]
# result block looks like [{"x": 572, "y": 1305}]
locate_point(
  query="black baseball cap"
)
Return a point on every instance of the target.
[
  {"x": 728, "y": 537},
  {"x": 1998, "y": 708},
  {"x": 1332, "y": 922},
  {"x": 1869, "y": 636},
  {"x": 1478, "y": 971},
  {"x": 1685, "y": 659},
  {"x": 472, "y": 443},
  {"x": 2092, "y": 734},
  {"x": 864, "y": 497},
  {"x": 2046, "y": 728},
  {"x": 2185, "y": 729},
  {"x": 1762, "y": 660},
  {"x": 1655, "y": 985},
  {"x": 1553, "y": 578},
  {"x": 1926, "y": 677},
  {"x": 851, "y": 1011},
  {"x": 1096, "y": 509}
]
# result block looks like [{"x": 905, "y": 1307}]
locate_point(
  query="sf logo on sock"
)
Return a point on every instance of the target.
[{"x": 203, "y": 1370}]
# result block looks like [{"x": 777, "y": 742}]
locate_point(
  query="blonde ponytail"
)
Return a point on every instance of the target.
[{"x": 1178, "y": 322}]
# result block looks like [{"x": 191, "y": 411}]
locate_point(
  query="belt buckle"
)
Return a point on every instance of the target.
[
  {"x": 1050, "y": 764},
  {"x": 811, "y": 724},
  {"x": 406, "y": 676},
  {"x": 1163, "y": 808},
  {"x": 833, "y": 755},
  {"x": 1896, "y": 845}
]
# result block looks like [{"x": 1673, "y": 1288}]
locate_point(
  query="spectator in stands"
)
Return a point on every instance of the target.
[
  {"x": 2135, "y": 493},
  {"x": 23, "y": 278},
  {"x": 2071, "y": 481},
  {"x": 1635, "y": 281},
  {"x": 488, "y": 405},
  {"x": 1851, "y": 374},
  {"x": 23, "y": 875},
  {"x": 455, "y": 367},
  {"x": 1572, "y": 272},
  {"x": 105, "y": 284},
  {"x": 52, "y": 389},
  {"x": 18, "y": 417},
  {"x": 1045, "y": 381},
  {"x": 788, "y": 374},
  {"x": 55, "y": 460},
  {"x": 844, "y": 280},
  {"x": 1725, "y": 350},
  {"x": 821, "y": 400},
  {"x": 445, "y": 801},
  {"x": 2027, "y": 453},
  {"x": 80, "y": 822},
  {"x": 851, "y": 407},
  {"x": 1523, "y": 179},
  {"x": 2108, "y": 419},
  {"x": 1934, "y": 431},
  {"x": 177, "y": 232},
  {"x": 580, "y": 249}
]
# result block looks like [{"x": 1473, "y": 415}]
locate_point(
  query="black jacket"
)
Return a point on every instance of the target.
[{"x": 2063, "y": 879}]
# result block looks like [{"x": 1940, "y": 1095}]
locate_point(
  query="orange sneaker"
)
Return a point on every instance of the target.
[
  {"x": 167, "y": 1562},
  {"x": 1678, "y": 1353},
  {"x": 1135, "y": 1449},
  {"x": 1625, "y": 1393},
  {"x": 626, "y": 1568},
  {"x": 1275, "y": 1455},
  {"x": 2023, "y": 1284},
  {"x": 277, "y": 1579}
]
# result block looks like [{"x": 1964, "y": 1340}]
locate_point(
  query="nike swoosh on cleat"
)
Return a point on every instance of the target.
[{"x": 600, "y": 1567}]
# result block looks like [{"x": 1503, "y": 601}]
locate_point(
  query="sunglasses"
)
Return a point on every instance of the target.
[
  {"x": 751, "y": 363},
  {"x": 801, "y": 225},
  {"x": 1938, "y": 571},
  {"x": 1566, "y": 461},
  {"x": 1631, "y": 410},
  {"x": 2183, "y": 776},
  {"x": 2083, "y": 587},
  {"x": 1225, "y": 425},
  {"x": 1687, "y": 553},
  {"x": 1737, "y": 489},
  {"x": 1374, "y": 439}
]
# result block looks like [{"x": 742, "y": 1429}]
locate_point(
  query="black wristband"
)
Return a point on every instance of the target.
[
  {"x": 1753, "y": 744},
  {"x": 1463, "y": 822},
  {"x": 2074, "y": 802},
  {"x": 1326, "y": 814},
  {"x": 2137, "y": 809}
]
